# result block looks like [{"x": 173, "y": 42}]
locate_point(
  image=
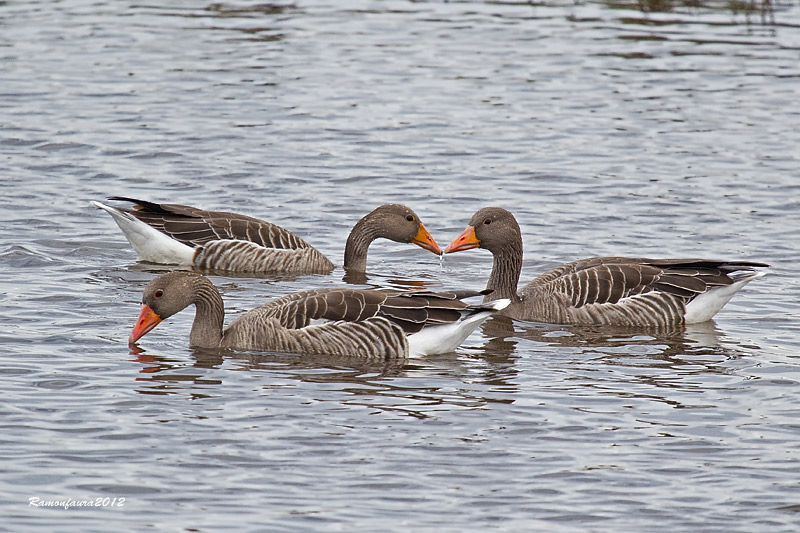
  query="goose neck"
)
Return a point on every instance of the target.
[
  {"x": 209, "y": 315},
  {"x": 503, "y": 280},
  {"x": 355, "y": 250}
]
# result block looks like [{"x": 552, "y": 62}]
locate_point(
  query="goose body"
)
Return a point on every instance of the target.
[
  {"x": 218, "y": 240},
  {"x": 360, "y": 322},
  {"x": 618, "y": 291}
]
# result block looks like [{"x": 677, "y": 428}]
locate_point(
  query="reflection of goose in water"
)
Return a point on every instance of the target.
[
  {"x": 651, "y": 344},
  {"x": 349, "y": 380},
  {"x": 166, "y": 375},
  {"x": 587, "y": 366}
]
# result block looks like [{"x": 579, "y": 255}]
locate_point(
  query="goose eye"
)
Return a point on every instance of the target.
[
  {"x": 159, "y": 293},
  {"x": 410, "y": 218},
  {"x": 487, "y": 221}
]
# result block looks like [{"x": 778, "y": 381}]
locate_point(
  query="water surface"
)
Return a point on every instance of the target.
[{"x": 606, "y": 129}]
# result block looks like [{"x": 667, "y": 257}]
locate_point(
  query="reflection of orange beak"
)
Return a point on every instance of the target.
[
  {"x": 148, "y": 319},
  {"x": 423, "y": 239},
  {"x": 466, "y": 241}
]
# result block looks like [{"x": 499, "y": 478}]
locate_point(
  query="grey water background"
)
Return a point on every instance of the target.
[{"x": 646, "y": 129}]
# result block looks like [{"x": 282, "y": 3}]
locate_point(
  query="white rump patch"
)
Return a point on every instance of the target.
[
  {"x": 704, "y": 306},
  {"x": 446, "y": 338},
  {"x": 148, "y": 242}
]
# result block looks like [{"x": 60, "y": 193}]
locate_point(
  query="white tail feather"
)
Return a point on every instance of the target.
[
  {"x": 704, "y": 306},
  {"x": 148, "y": 242},
  {"x": 447, "y": 337}
]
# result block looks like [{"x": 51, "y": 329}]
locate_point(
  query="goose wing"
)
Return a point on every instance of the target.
[
  {"x": 369, "y": 322},
  {"x": 415, "y": 310},
  {"x": 410, "y": 310},
  {"x": 633, "y": 291},
  {"x": 602, "y": 280},
  {"x": 195, "y": 227}
]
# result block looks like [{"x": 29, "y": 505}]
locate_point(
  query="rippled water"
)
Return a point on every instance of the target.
[{"x": 605, "y": 128}]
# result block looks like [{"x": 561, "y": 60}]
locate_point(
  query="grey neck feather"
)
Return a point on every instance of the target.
[
  {"x": 355, "y": 251},
  {"x": 506, "y": 269},
  {"x": 209, "y": 315}
]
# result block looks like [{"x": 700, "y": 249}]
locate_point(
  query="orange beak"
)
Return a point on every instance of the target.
[
  {"x": 466, "y": 241},
  {"x": 148, "y": 319},
  {"x": 423, "y": 239}
]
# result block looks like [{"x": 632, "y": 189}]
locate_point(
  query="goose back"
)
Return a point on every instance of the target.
[
  {"x": 411, "y": 311},
  {"x": 361, "y": 322},
  {"x": 625, "y": 291},
  {"x": 196, "y": 227},
  {"x": 213, "y": 240}
]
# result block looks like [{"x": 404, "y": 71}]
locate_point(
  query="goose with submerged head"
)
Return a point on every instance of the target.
[
  {"x": 349, "y": 322},
  {"x": 218, "y": 240},
  {"x": 621, "y": 291}
]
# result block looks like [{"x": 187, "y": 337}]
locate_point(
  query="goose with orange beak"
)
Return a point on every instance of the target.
[
  {"x": 218, "y": 240},
  {"x": 370, "y": 323},
  {"x": 618, "y": 291}
]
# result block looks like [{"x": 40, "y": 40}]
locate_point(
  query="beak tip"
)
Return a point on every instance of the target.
[
  {"x": 148, "y": 320},
  {"x": 466, "y": 241}
]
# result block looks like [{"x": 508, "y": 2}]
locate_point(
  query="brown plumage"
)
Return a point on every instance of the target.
[
  {"x": 621, "y": 291},
  {"x": 197, "y": 227},
  {"x": 218, "y": 240},
  {"x": 359, "y": 322}
]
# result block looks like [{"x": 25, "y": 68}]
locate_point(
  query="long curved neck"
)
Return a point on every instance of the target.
[
  {"x": 209, "y": 315},
  {"x": 506, "y": 269},
  {"x": 355, "y": 250}
]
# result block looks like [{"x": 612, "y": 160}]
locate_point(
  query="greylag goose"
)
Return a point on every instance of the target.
[
  {"x": 361, "y": 322},
  {"x": 216, "y": 240},
  {"x": 617, "y": 291}
]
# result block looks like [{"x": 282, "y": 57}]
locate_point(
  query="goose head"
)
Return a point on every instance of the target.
[
  {"x": 491, "y": 228},
  {"x": 163, "y": 297},
  {"x": 400, "y": 223}
]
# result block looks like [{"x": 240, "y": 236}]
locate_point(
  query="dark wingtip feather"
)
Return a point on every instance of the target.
[{"x": 141, "y": 204}]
